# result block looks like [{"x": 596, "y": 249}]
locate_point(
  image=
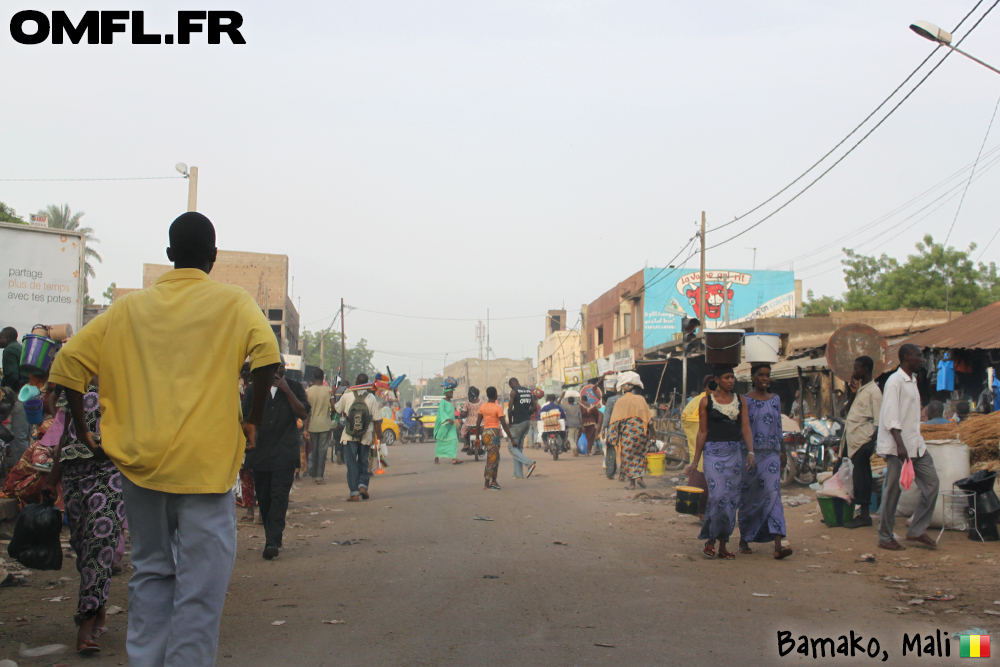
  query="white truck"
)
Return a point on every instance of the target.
[{"x": 43, "y": 269}]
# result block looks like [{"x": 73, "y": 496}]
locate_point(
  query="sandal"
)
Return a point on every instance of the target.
[
  {"x": 495, "y": 486},
  {"x": 784, "y": 553},
  {"x": 729, "y": 555},
  {"x": 747, "y": 551},
  {"x": 641, "y": 483},
  {"x": 709, "y": 551},
  {"x": 90, "y": 647}
]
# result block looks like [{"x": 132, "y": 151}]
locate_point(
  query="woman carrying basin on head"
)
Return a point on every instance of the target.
[{"x": 722, "y": 426}]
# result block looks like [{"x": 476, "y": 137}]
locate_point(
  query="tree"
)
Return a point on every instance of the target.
[
  {"x": 822, "y": 305},
  {"x": 359, "y": 357},
  {"x": 109, "y": 294},
  {"x": 61, "y": 217},
  {"x": 7, "y": 214},
  {"x": 934, "y": 278}
]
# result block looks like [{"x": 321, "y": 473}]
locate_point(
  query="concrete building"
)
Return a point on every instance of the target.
[
  {"x": 560, "y": 349},
  {"x": 265, "y": 276},
  {"x": 481, "y": 373},
  {"x": 613, "y": 322}
]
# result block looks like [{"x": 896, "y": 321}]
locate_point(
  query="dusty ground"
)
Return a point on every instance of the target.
[{"x": 571, "y": 562}]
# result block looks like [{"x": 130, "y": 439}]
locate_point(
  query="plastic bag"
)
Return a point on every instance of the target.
[
  {"x": 35, "y": 543},
  {"x": 846, "y": 475},
  {"x": 581, "y": 444},
  {"x": 906, "y": 476}
]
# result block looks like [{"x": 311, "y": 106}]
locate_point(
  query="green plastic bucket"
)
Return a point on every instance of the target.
[{"x": 836, "y": 511}]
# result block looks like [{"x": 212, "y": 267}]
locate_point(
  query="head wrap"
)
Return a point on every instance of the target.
[
  {"x": 627, "y": 380},
  {"x": 722, "y": 369},
  {"x": 537, "y": 393},
  {"x": 448, "y": 384},
  {"x": 473, "y": 394}
]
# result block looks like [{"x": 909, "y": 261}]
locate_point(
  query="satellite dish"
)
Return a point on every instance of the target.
[{"x": 181, "y": 167}]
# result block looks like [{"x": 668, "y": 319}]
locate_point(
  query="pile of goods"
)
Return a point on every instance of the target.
[
  {"x": 982, "y": 434},
  {"x": 940, "y": 431}
]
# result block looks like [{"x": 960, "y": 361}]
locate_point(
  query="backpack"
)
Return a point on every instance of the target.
[{"x": 357, "y": 419}]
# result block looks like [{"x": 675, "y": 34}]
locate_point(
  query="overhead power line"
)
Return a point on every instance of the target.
[
  {"x": 862, "y": 139},
  {"x": 445, "y": 319},
  {"x": 969, "y": 182},
  {"x": 123, "y": 178}
]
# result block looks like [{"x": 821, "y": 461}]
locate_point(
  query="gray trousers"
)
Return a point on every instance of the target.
[
  {"x": 926, "y": 479},
  {"x": 183, "y": 551},
  {"x": 21, "y": 429},
  {"x": 518, "y": 433},
  {"x": 317, "y": 457}
]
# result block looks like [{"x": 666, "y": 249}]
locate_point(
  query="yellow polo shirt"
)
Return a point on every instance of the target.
[{"x": 169, "y": 358}]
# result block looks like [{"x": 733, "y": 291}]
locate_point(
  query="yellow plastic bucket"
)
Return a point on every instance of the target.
[{"x": 656, "y": 463}]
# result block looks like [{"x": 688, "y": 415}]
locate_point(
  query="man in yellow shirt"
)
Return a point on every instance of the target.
[{"x": 167, "y": 357}]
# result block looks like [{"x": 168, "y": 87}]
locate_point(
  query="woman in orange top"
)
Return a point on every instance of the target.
[{"x": 491, "y": 418}]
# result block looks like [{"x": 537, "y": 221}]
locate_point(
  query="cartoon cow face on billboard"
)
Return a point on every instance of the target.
[{"x": 715, "y": 297}]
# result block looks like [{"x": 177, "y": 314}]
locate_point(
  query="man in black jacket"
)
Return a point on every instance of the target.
[{"x": 276, "y": 455}]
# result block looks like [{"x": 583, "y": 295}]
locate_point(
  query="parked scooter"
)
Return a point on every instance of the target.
[{"x": 819, "y": 449}]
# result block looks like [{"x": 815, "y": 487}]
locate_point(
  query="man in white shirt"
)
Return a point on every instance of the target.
[
  {"x": 356, "y": 445},
  {"x": 899, "y": 439},
  {"x": 861, "y": 434}
]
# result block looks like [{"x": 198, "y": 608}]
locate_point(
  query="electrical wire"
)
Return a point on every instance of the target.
[
  {"x": 859, "y": 125},
  {"x": 947, "y": 196},
  {"x": 859, "y": 142},
  {"x": 969, "y": 182},
  {"x": 126, "y": 178},
  {"x": 887, "y": 216},
  {"x": 993, "y": 238},
  {"x": 446, "y": 319}
]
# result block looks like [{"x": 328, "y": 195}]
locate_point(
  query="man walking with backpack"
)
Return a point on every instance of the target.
[{"x": 362, "y": 421}]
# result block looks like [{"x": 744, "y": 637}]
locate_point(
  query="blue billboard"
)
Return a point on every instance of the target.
[{"x": 671, "y": 294}]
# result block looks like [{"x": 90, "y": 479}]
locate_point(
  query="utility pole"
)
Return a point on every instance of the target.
[
  {"x": 192, "y": 189},
  {"x": 487, "y": 347},
  {"x": 343, "y": 342},
  {"x": 701, "y": 292}
]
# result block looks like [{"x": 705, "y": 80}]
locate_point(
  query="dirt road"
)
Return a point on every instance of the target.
[{"x": 570, "y": 571}]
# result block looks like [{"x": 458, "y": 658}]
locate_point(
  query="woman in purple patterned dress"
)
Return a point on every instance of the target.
[
  {"x": 762, "y": 518},
  {"x": 92, "y": 491}
]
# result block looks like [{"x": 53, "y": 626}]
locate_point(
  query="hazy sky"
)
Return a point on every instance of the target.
[{"x": 442, "y": 158}]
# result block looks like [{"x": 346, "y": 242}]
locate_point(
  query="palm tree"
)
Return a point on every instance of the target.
[{"x": 60, "y": 217}]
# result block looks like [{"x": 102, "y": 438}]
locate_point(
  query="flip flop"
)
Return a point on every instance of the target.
[
  {"x": 709, "y": 551},
  {"x": 90, "y": 647},
  {"x": 784, "y": 553},
  {"x": 729, "y": 555},
  {"x": 746, "y": 551},
  {"x": 98, "y": 632},
  {"x": 891, "y": 546}
]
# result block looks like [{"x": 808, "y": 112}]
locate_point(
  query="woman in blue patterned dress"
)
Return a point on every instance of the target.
[
  {"x": 722, "y": 427},
  {"x": 762, "y": 518}
]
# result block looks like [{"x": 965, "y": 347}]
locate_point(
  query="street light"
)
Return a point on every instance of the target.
[
  {"x": 936, "y": 34},
  {"x": 192, "y": 176}
]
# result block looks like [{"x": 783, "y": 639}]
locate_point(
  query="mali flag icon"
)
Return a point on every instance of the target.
[{"x": 975, "y": 646}]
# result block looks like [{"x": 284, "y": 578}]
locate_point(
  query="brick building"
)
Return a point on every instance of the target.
[
  {"x": 480, "y": 373},
  {"x": 613, "y": 322},
  {"x": 265, "y": 276}
]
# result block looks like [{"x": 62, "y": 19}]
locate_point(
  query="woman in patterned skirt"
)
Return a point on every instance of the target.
[
  {"x": 631, "y": 429},
  {"x": 762, "y": 518},
  {"x": 489, "y": 420},
  {"x": 722, "y": 425},
  {"x": 92, "y": 490}
]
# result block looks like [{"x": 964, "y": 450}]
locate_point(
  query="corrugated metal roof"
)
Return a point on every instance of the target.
[
  {"x": 979, "y": 330},
  {"x": 782, "y": 370}
]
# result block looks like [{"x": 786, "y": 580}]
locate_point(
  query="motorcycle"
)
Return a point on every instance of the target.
[
  {"x": 411, "y": 433},
  {"x": 474, "y": 443},
  {"x": 554, "y": 442},
  {"x": 818, "y": 450}
]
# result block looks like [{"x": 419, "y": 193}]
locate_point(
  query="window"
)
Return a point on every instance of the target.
[
  {"x": 274, "y": 314},
  {"x": 627, "y": 328},
  {"x": 600, "y": 335},
  {"x": 276, "y": 328}
]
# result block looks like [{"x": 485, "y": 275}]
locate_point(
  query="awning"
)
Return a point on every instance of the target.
[{"x": 783, "y": 370}]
